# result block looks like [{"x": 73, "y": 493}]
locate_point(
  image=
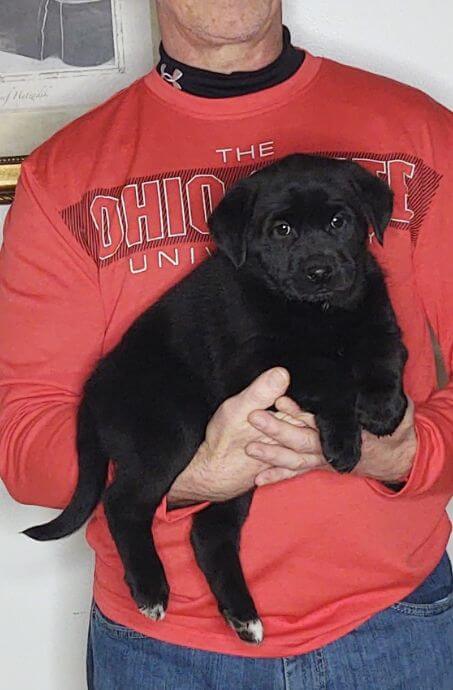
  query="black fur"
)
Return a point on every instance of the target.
[{"x": 289, "y": 286}]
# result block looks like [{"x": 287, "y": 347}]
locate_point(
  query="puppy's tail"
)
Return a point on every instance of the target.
[{"x": 93, "y": 466}]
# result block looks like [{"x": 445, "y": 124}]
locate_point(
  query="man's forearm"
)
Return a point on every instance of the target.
[{"x": 187, "y": 488}]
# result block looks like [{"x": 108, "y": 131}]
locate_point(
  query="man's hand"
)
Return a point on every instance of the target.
[
  {"x": 221, "y": 469},
  {"x": 297, "y": 448}
]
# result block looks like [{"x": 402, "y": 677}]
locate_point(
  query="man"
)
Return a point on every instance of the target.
[{"x": 349, "y": 575}]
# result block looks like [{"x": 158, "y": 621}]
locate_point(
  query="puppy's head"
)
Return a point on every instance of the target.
[{"x": 301, "y": 225}]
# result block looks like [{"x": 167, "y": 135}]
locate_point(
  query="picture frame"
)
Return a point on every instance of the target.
[
  {"x": 9, "y": 175},
  {"x": 42, "y": 88}
]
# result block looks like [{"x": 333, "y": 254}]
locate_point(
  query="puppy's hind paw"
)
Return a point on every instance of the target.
[
  {"x": 251, "y": 631},
  {"x": 150, "y": 595},
  {"x": 154, "y": 611}
]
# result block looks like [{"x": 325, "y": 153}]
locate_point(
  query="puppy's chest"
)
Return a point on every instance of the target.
[
  {"x": 290, "y": 342},
  {"x": 320, "y": 336},
  {"x": 302, "y": 351}
]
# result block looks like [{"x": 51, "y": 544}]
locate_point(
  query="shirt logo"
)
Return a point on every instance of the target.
[
  {"x": 173, "y": 208},
  {"x": 173, "y": 78}
]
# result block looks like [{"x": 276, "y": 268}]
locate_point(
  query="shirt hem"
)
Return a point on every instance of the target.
[{"x": 164, "y": 631}]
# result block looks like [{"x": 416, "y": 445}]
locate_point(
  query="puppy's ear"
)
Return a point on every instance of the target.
[
  {"x": 229, "y": 221},
  {"x": 376, "y": 200}
]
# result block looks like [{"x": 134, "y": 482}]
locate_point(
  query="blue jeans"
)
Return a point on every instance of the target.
[{"x": 406, "y": 647}]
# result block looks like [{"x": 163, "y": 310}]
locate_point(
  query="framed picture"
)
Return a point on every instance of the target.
[
  {"x": 9, "y": 174},
  {"x": 60, "y": 58}
]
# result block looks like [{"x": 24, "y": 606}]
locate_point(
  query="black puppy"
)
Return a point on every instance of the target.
[{"x": 292, "y": 284}]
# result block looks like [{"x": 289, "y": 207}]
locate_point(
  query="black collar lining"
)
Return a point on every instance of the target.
[{"x": 201, "y": 82}]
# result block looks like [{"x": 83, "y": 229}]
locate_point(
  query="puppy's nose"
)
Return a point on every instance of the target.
[{"x": 319, "y": 274}]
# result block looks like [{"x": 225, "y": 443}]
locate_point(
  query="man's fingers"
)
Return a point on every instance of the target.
[
  {"x": 299, "y": 439},
  {"x": 284, "y": 457},
  {"x": 262, "y": 392},
  {"x": 287, "y": 406},
  {"x": 276, "y": 474},
  {"x": 289, "y": 418}
]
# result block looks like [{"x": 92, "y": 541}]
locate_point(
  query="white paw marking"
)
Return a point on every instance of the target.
[
  {"x": 253, "y": 629},
  {"x": 156, "y": 612}
]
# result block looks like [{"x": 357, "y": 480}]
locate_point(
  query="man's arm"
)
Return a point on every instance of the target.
[
  {"x": 433, "y": 260},
  {"x": 52, "y": 331}
]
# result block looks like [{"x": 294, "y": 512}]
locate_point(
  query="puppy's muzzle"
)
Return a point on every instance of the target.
[{"x": 319, "y": 274}]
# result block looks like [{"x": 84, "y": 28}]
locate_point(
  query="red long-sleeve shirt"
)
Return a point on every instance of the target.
[{"x": 109, "y": 214}]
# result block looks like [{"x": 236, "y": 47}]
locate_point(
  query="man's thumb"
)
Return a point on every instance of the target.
[{"x": 264, "y": 390}]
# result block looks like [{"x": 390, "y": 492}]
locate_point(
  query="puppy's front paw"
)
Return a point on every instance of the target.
[
  {"x": 381, "y": 412},
  {"x": 341, "y": 444}
]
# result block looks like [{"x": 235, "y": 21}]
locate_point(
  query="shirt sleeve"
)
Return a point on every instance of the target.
[
  {"x": 164, "y": 514},
  {"x": 52, "y": 325},
  {"x": 52, "y": 331},
  {"x": 432, "y": 471}
]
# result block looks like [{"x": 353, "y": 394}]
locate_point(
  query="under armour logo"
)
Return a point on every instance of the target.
[{"x": 171, "y": 78}]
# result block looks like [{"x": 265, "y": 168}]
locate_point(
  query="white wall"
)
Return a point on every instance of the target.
[
  {"x": 3, "y": 212},
  {"x": 408, "y": 40},
  {"x": 45, "y": 589}
]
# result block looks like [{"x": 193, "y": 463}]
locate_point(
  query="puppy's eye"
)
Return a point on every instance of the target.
[
  {"x": 337, "y": 222},
  {"x": 282, "y": 229}
]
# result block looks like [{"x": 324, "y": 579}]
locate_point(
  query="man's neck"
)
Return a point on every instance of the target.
[{"x": 212, "y": 54}]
